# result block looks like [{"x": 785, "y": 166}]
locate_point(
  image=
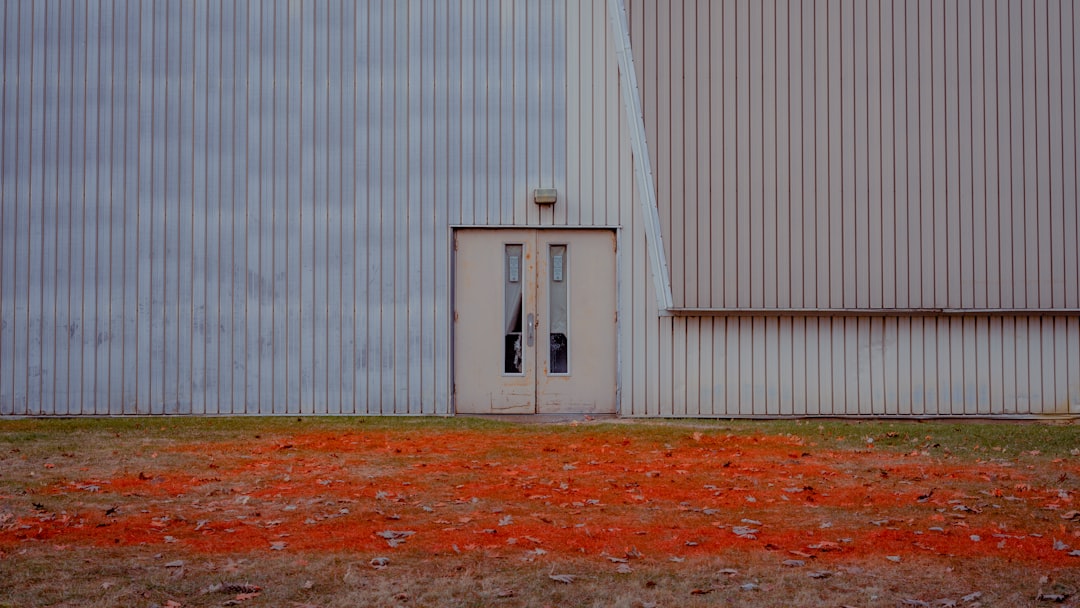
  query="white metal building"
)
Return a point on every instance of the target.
[{"x": 762, "y": 207}]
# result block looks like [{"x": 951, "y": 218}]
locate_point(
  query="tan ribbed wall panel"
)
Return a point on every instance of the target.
[
  {"x": 793, "y": 154},
  {"x": 766, "y": 367},
  {"x": 244, "y": 206},
  {"x": 864, "y": 153}
]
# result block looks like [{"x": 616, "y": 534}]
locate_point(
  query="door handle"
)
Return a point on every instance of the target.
[{"x": 530, "y": 329}]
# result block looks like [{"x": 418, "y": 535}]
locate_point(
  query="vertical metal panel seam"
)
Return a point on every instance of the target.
[
  {"x": 300, "y": 228},
  {"x": 41, "y": 277},
  {"x": 55, "y": 406},
  {"x": 3, "y": 204},
  {"x": 109, "y": 370},
  {"x": 16, "y": 180}
]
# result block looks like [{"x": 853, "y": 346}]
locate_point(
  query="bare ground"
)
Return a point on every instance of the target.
[{"x": 474, "y": 513}]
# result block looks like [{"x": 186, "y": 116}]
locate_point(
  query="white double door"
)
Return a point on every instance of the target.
[{"x": 534, "y": 321}]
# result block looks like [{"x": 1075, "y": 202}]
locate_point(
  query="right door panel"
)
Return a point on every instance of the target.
[{"x": 576, "y": 321}]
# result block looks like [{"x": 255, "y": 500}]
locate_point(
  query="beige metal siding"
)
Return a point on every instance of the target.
[
  {"x": 881, "y": 154},
  {"x": 859, "y": 180}
]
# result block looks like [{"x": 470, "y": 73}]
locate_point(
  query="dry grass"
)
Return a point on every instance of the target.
[
  {"x": 107, "y": 513},
  {"x": 86, "y": 577}
]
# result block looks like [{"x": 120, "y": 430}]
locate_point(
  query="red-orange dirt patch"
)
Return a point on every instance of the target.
[{"x": 527, "y": 492}]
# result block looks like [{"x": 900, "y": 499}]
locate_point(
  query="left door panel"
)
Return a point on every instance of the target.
[{"x": 494, "y": 281}]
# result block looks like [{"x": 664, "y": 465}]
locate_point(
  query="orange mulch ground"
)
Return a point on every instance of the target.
[{"x": 589, "y": 493}]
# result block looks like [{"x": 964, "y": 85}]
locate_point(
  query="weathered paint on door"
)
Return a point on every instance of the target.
[{"x": 535, "y": 334}]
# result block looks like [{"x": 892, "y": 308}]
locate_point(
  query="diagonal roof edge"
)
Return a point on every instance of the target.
[{"x": 643, "y": 174}]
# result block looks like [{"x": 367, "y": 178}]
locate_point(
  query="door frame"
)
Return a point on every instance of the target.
[{"x": 452, "y": 298}]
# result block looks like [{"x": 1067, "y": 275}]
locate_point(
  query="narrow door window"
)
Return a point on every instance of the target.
[
  {"x": 558, "y": 280},
  {"x": 512, "y": 304}
]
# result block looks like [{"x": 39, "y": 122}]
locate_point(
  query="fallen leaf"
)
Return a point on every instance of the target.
[
  {"x": 278, "y": 545},
  {"x": 565, "y": 579},
  {"x": 624, "y": 569},
  {"x": 893, "y": 558},
  {"x": 794, "y": 563},
  {"x": 379, "y": 562},
  {"x": 744, "y": 532},
  {"x": 395, "y": 537}
]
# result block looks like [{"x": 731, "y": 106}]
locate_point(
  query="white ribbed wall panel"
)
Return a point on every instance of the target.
[
  {"x": 244, "y": 207},
  {"x": 864, "y": 153}
]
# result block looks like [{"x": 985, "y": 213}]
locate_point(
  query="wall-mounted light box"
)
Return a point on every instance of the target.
[{"x": 545, "y": 196}]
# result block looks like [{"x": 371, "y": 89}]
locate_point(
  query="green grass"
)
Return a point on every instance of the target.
[{"x": 962, "y": 437}]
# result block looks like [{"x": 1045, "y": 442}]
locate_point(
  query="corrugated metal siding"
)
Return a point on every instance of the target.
[
  {"x": 766, "y": 201},
  {"x": 742, "y": 367},
  {"x": 594, "y": 192},
  {"x": 864, "y": 154},
  {"x": 244, "y": 207}
]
